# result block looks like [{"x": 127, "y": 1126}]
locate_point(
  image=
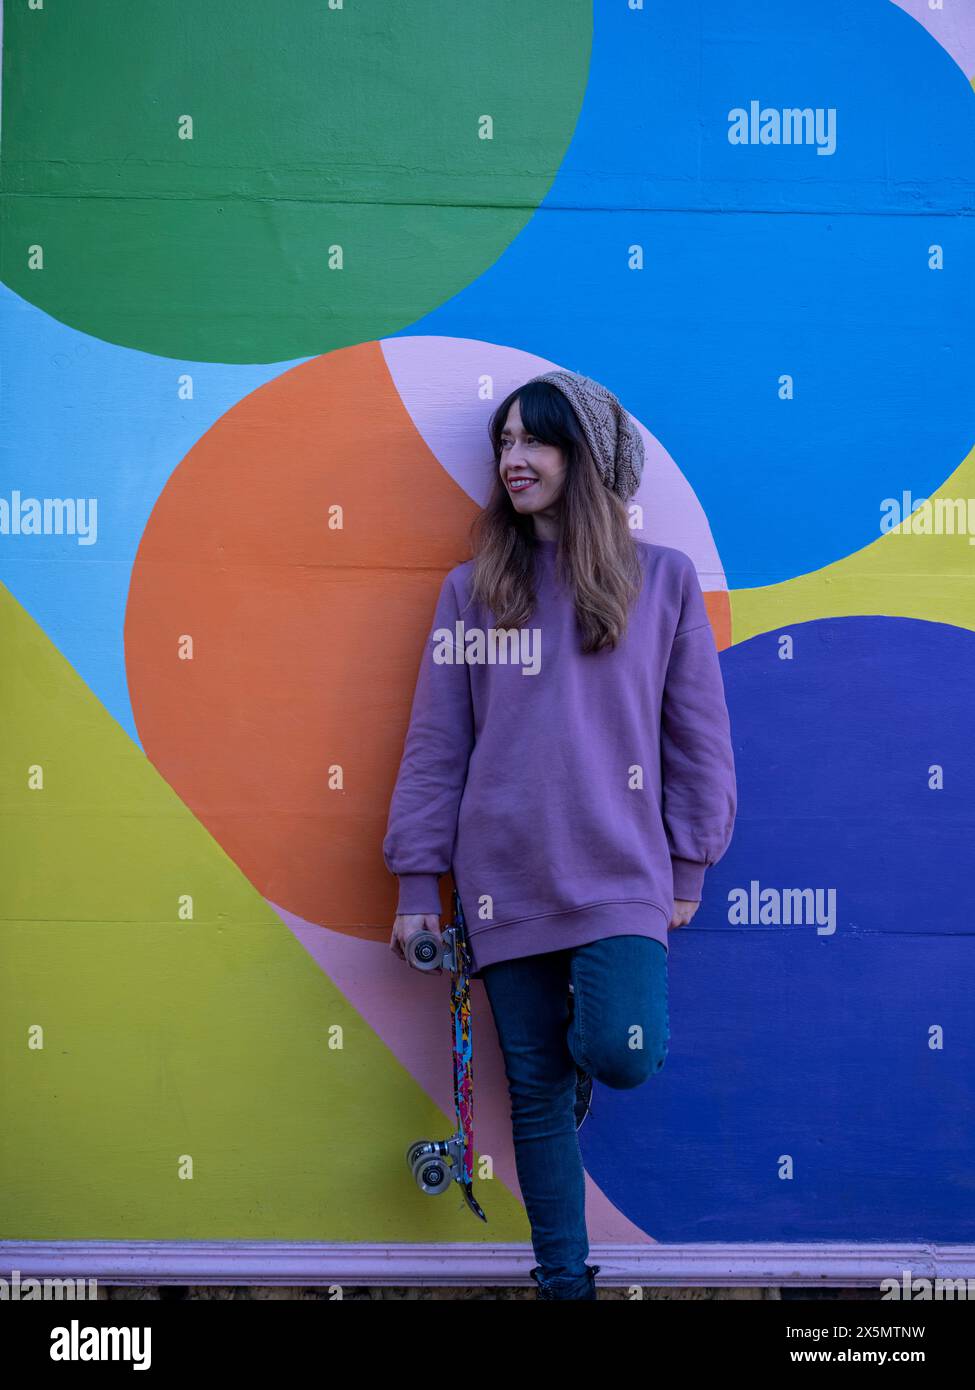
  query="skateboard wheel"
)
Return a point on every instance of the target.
[
  {"x": 424, "y": 951},
  {"x": 414, "y": 1150},
  {"x": 431, "y": 1173}
]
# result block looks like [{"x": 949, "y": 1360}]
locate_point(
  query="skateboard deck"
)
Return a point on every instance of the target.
[{"x": 435, "y": 1164}]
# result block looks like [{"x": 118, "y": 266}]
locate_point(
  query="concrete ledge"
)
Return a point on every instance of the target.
[{"x": 310, "y": 1263}]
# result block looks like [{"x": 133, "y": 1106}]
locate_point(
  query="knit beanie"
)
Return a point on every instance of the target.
[{"x": 614, "y": 439}]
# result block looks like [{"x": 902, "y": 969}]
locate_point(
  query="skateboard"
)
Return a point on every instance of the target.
[{"x": 436, "y": 1163}]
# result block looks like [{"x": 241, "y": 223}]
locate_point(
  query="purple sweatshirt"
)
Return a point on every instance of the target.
[{"x": 573, "y": 795}]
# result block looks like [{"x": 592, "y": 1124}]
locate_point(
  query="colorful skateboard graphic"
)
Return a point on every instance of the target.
[{"x": 435, "y": 1164}]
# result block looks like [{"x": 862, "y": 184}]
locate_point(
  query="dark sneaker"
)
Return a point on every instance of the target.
[{"x": 563, "y": 1287}]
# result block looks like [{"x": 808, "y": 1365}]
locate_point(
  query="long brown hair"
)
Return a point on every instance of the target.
[{"x": 596, "y": 553}]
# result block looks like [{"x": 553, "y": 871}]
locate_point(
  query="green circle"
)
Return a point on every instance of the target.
[{"x": 320, "y": 137}]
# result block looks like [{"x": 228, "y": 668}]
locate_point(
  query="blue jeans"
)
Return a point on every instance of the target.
[{"x": 620, "y": 987}]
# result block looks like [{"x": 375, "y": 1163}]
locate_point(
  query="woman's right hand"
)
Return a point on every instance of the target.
[{"x": 406, "y": 925}]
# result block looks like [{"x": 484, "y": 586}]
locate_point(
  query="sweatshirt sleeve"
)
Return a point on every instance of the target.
[
  {"x": 700, "y": 795},
  {"x": 422, "y": 825}
]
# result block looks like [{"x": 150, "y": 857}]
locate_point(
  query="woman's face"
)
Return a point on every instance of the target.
[{"x": 532, "y": 472}]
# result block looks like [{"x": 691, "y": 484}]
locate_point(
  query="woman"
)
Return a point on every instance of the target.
[{"x": 569, "y": 759}]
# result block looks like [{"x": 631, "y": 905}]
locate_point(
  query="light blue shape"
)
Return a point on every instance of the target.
[{"x": 87, "y": 419}]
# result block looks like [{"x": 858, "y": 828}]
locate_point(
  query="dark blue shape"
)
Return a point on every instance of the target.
[{"x": 785, "y": 1042}]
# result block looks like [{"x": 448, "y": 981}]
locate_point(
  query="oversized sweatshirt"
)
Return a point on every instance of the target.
[{"x": 572, "y": 795}]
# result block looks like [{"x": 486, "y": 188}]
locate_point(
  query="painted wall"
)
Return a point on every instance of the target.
[{"x": 266, "y": 270}]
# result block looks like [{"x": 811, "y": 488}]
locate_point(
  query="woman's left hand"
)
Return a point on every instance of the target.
[{"x": 683, "y": 912}]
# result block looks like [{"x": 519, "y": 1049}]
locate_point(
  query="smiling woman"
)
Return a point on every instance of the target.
[
  {"x": 552, "y": 484},
  {"x": 533, "y": 472},
  {"x": 614, "y": 755}
]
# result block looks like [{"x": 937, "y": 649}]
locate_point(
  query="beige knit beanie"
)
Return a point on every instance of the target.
[{"x": 614, "y": 439}]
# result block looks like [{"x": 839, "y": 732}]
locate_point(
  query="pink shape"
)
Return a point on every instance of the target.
[
  {"x": 410, "y": 1012},
  {"x": 953, "y": 27},
  {"x": 439, "y": 380}
]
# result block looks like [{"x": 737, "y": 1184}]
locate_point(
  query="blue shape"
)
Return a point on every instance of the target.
[
  {"x": 762, "y": 261},
  {"x": 785, "y": 1042}
]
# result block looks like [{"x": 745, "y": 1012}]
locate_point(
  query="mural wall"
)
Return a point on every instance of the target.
[{"x": 266, "y": 271}]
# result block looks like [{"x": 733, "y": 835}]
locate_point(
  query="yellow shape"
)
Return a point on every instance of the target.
[
  {"x": 168, "y": 1041},
  {"x": 900, "y": 574}
]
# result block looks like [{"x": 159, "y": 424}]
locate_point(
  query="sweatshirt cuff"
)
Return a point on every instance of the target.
[
  {"x": 688, "y": 879},
  {"x": 419, "y": 894}
]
